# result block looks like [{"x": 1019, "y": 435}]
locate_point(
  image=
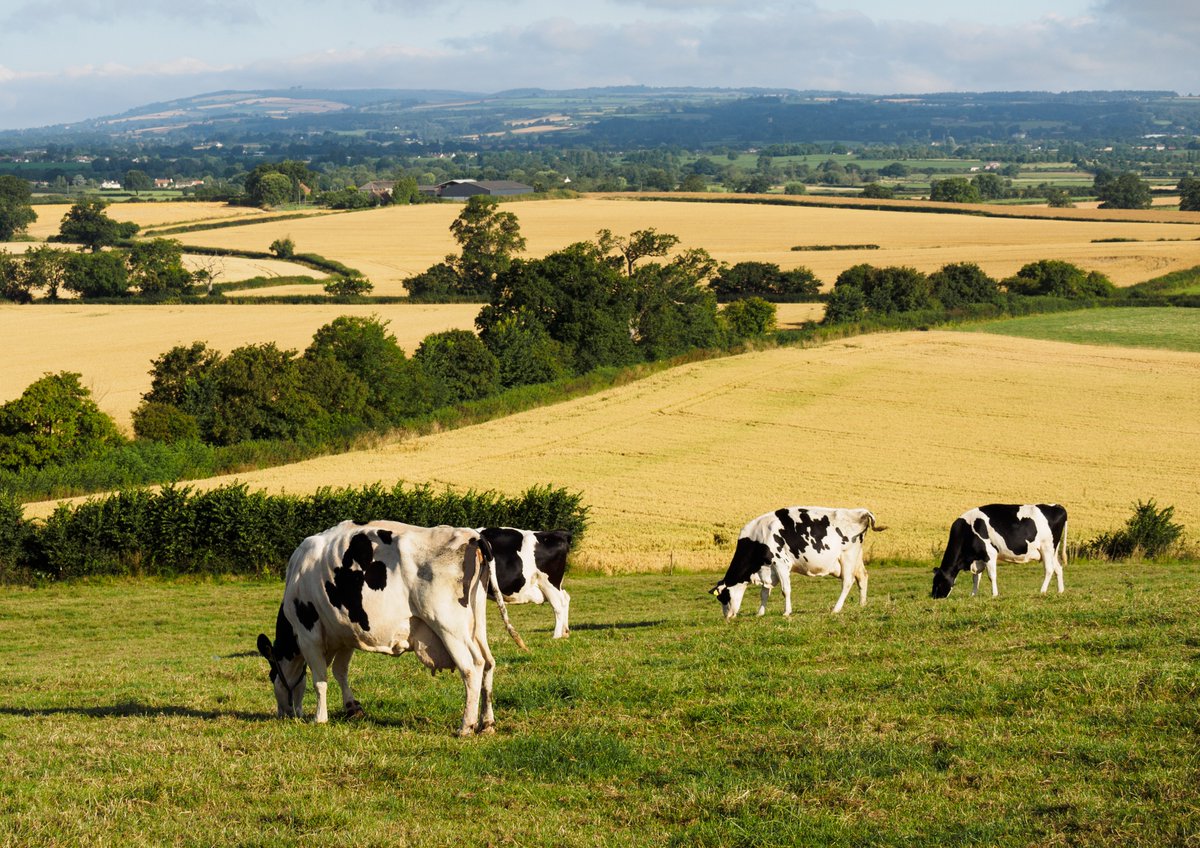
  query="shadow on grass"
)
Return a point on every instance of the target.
[
  {"x": 619, "y": 625},
  {"x": 135, "y": 709}
]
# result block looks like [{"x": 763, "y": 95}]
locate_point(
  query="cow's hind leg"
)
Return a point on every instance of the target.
[
  {"x": 847, "y": 582},
  {"x": 1053, "y": 567},
  {"x": 341, "y": 673},
  {"x": 474, "y": 670},
  {"x": 560, "y": 602},
  {"x": 991, "y": 571}
]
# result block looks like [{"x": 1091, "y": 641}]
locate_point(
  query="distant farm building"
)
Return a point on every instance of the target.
[
  {"x": 378, "y": 189},
  {"x": 469, "y": 188}
]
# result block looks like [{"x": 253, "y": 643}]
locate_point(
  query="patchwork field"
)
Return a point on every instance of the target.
[
  {"x": 147, "y": 214},
  {"x": 113, "y": 346},
  {"x": 915, "y": 426},
  {"x": 393, "y": 243}
]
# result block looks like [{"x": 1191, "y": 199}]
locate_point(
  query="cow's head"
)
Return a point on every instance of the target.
[
  {"x": 963, "y": 549},
  {"x": 730, "y": 597},
  {"x": 288, "y": 669}
]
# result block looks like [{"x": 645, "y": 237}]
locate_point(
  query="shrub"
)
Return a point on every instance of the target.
[
  {"x": 459, "y": 366},
  {"x": 525, "y": 352},
  {"x": 765, "y": 279},
  {"x": 1057, "y": 278},
  {"x": 165, "y": 422},
  {"x": 750, "y": 317},
  {"x": 960, "y": 283},
  {"x": 284, "y": 248},
  {"x": 54, "y": 420},
  {"x": 347, "y": 285},
  {"x": 1149, "y": 532}
]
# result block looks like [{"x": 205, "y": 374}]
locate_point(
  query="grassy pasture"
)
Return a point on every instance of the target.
[
  {"x": 915, "y": 426},
  {"x": 392, "y": 243},
  {"x": 141, "y": 716},
  {"x": 1171, "y": 329}
]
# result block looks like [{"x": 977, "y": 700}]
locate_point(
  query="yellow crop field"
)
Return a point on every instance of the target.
[
  {"x": 393, "y": 243},
  {"x": 113, "y": 346},
  {"x": 915, "y": 426},
  {"x": 145, "y": 215}
]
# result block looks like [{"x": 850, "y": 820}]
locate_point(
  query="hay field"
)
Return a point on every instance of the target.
[
  {"x": 145, "y": 215},
  {"x": 393, "y": 243},
  {"x": 113, "y": 346},
  {"x": 915, "y": 426}
]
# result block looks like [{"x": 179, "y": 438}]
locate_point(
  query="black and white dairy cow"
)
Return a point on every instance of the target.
[
  {"x": 981, "y": 537},
  {"x": 812, "y": 540},
  {"x": 386, "y": 587},
  {"x": 530, "y": 565}
]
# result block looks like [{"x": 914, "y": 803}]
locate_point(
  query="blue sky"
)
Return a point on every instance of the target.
[{"x": 66, "y": 60}]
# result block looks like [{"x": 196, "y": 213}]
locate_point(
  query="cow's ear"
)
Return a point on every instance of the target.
[
  {"x": 264, "y": 647},
  {"x": 715, "y": 590}
]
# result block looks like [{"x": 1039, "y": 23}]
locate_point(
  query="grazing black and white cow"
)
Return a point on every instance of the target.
[
  {"x": 386, "y": 587},
  {"x": 530, "y": 565},
  {"x": 811, "y": 540},
  {"x": 1003, "y": 532}
]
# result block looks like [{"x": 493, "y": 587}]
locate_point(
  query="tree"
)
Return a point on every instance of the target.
[
  {"x": 54, "y": 421},
  {"x": 525, "y": 352},
  {"x": 1189, "y": 194},
  {"x": 156, "y": 268},
  {"x": 273, "y": 189},
  {"x": 693, "y": 182},
  {"x": 577, "y": 296},
  {"x": 673, "y": 308},
  {"x": 348, "y": 285},
  {"x": 16, "y": 213},
  {"x": 636, "y": 246},
  {"x": 764, "y": 279},
  {"x": 1059, "y": 198},
  {"x": 1056, "y": 278},
  {"x": 954, "y": 190},
  {"x": 371, "y": 353},
  {"x": 989, "y": 186},
  {"x": 258, "y": 393},
  {"x": 265, "y": 184},
  {"x": 1122, "y": 191},
  {"x": 878, "y": 191},
  {"x": 459, "y": 366},
  {"x": 749, "y": 317},
  {"x": 435, "y": 281},
  {"x": 182, "y": 378},
  {"x": 795, "y": 188},
  {"x": 87, "y": 223},
  {"x": 103, "y": 274},
  {"x": 284, "y": 247},
  {"x": 46, "y": 268},
  {"x": 137, "y": 181},
  {"x": 896, "y": 169},
  {"x": 961, "y": 283},
  {"x": 846, "y": 304},
  {"x": 488, "y": 238}
]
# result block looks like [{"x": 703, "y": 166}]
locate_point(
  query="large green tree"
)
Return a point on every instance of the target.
[
  {"x": 156, "y": 268},
  {"x": 1122, "y": 191},
  {"x": 88, "y": 224},
  {"x": 459, "y": 366},
  {"x": 488, "y": 238},
  {"x": 954, "y": 190},
  {"x": 16, "y": 213},
  {"x": 54, "y": 421},
  {"x": 1189, "y": 194},
  {"x": 1057, "y": 278},
  {"x": 961, "y": 283}
]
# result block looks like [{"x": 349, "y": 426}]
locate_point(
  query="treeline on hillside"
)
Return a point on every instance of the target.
[{"x": 231, "y": 530}]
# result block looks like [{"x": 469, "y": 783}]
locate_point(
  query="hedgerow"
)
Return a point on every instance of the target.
[{"x": 232, "y": 530}]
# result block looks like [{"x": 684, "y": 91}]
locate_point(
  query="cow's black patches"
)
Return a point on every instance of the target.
[
  {"x": 506, "y": 552},
  {"x": 358, "y": 567},
  {"x": 1056, "y": 517},
  {"x": 748, "y": 557},
  {"x": 550, "y": 554},
  {"x": 286, "y": 644},
  {"x": 1016, "y": 532},
  {"x": 306, "y": 611},
  {"x": 799, "y": 536},
  {"x": 385, "y": 536}
]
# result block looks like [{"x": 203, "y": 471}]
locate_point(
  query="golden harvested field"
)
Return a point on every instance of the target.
[
  {"x": 145, "y": 215},
  {"x": 915, "y": 426},
  {"x": 113, "y": 346},
  {"x": 393, "y": 243}
]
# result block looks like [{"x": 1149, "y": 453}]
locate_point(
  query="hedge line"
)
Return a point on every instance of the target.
[{"x": 231, "y": 530}]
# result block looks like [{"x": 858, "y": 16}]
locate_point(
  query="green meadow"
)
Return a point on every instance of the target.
[
  {"x": 1161, "y": 327},
  {"x": 136, "y": 713}
]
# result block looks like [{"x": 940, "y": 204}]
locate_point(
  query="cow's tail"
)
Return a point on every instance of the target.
[
  {"x": 878, "y": 528},
  {"x": 1062, "y": 544},
  {"x": 486, "y": 550}
]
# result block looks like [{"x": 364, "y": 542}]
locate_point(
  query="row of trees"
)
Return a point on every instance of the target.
[
  {"x": 864, "y": 290},
  {"x": 152, "y": 269}
]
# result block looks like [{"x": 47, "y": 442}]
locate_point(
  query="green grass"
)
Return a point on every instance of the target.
[
  {"x": 1158, "y": 327},
  {"x": 136, "y": 713}
]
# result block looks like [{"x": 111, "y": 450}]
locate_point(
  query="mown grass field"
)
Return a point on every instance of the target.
[
  {"x": 1171, "y": 329},
  {"x": 914, "y": 426},
  {"x": 393, "y": 243},
  {"x": 138, "y": 714}
]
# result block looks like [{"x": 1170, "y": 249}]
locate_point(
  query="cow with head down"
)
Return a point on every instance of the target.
[
  {"x": 389, "y": 588},
  {"x": 985, "y": 535},
  {"x": 812, "y": 540},
  {"x": 530, "y": 565}
]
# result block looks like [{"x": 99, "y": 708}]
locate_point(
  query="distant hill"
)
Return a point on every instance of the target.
[{"x": 641, "y": 117}]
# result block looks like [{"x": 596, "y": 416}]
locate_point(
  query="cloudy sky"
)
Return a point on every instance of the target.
[{"x": 66, "y": 60}]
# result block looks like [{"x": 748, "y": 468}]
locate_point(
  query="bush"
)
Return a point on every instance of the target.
[
  {"x": 165, "y": 422},
  {"x": 525, "y": 352},
  {"x": 750, "y": 317},
  {"x": 961, "y": 283},
  {"x": 54, "y": 420},
  {"x": 1148, "y": 533},
  {"x": 765, "y": 279},
  {"x": 284, "y": 248},
  {"x": 459, "y": 366},
  {"x": 1059, "y": 279},
  {"x": 348, "y": 285}
]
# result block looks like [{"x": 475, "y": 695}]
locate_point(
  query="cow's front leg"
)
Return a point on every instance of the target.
[
  {"x": 991, "y": 571},
  {"x": 320, "y": 674},
  {"x": 975, "y": 575},
  {"x": 560, "y": 602},
  {"x": 764, "y": 594}
]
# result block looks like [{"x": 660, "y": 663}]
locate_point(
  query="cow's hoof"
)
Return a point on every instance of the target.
[
  {"x": 465, "y": 732},
  {"x": 488, "y": 728},
  {"x": 355, "y": 711}
]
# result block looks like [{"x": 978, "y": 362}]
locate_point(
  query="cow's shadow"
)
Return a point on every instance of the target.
[
  {"x": 619, "y": 625},
  {"x": 133, "y": 709}
]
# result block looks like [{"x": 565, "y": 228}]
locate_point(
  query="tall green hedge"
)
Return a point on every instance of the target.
[{"x": 231, "y": 530}]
